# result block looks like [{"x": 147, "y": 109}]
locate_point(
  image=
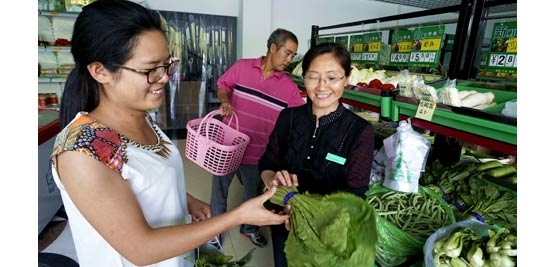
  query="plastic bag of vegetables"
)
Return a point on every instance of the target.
[
  {"x": 332, "y": 230},
  {"x": 406, "y": 153},
  {"x": 404, "y": 221}
]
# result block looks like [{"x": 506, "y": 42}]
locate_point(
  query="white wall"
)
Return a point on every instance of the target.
[
  {"x": 299, "y": 16},
  {"x": 212, "y": 7},
  {"x": 256, "y": 27},
  {"x": 256, "y": 19}
]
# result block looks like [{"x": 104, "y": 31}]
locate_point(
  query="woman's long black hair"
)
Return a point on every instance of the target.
[{"x": 105, "y": 31}]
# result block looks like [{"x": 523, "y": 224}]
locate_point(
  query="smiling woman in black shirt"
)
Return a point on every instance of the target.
[{"x": 321, "y": 147}]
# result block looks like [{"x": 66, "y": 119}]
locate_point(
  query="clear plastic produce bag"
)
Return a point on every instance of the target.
[{"x": 406, "y": 153}]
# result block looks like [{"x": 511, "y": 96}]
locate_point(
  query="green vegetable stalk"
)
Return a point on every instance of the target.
[
  {"x": 211, "y": 257},
  {"x": 332, "y": 230},
  {"x": 475, "y": 255},
  {"x": 496, "y": 249}
]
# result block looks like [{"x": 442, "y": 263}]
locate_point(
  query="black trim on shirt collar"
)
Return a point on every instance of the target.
[{"x": 326, "y": 119}]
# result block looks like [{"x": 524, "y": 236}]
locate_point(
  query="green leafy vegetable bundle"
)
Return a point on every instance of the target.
[
  {"x": 332, "y": 230},
  {"x": 475, "y": 193},
  {"x": 488, "y": 203}
]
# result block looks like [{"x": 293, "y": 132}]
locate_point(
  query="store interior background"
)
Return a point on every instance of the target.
[{"x": 258, "y": 18}]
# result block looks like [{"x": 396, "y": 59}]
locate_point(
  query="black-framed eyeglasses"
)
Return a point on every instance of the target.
[{"x": 155, "y": 74}]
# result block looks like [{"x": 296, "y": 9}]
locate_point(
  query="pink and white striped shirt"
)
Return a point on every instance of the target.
[{"x": 257, "y": 102}]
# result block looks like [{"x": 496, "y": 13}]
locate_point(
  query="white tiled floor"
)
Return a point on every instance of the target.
[{"x": 198, "y": 183}]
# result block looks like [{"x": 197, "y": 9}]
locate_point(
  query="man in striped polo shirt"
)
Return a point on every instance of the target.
[{"x": 256, "y": 89}]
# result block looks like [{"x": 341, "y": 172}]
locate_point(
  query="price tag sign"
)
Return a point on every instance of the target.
[
  {"x": 401, "y": 42},
  {"x": 365, "y": 48},
  {"x": 425, "y": 110},
  {"x": 426, "y": 46},
  {"x": 328, "y": 39},
  {"x": 502, "y": 55}
]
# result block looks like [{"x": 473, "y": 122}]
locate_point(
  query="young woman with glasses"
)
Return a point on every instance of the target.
[
  {"x": 122, "y": 180},
  {"x": 321, "y": 147}
]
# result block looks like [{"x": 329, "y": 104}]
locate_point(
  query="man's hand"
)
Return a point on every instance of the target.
[{"x": 226, "y": 109}]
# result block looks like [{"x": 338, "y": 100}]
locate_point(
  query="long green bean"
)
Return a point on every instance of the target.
[{"x": 415, "y": 213}]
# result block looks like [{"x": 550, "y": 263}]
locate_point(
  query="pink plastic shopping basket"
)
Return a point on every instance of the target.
[{"x": 214, "y": 145}]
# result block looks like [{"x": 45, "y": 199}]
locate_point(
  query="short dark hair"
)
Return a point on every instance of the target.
[
  {"x": 336, "y": 50},
  {"x": 105, "y": 31},
  {"x": 280, "y": 37}
]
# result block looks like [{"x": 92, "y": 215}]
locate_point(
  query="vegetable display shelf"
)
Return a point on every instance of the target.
[
  {"x": 369, "y": 98},
  {"x": 498, "y": 136},
  {"x": 362, "y": 97}
]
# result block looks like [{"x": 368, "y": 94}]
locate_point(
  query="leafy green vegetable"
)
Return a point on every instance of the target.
[
  {"x": 212, "y": 257},
  {"x": 487, "y": 202},
  {"x": 332, "y": 230},
  {"x": 465, "y": 247}
]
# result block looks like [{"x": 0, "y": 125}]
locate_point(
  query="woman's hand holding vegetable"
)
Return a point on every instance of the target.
[
  {"x": 253, "y": 211},
  {"x": 280, "y": 178}
]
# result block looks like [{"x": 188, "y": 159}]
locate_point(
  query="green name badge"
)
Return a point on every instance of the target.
[{"x": 335, "y": 158}]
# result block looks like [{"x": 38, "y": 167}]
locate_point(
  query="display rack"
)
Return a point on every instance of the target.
[{"x": 498, "y": 136}]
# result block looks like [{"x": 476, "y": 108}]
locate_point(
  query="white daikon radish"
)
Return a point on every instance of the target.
[
  {"x": 428, "y": 93},
  {"x": 450, "y": 96},
  {"x": 484, "y": 106},
  {"x": 463, "y": 94},
  {"x": 477, "y": 99}
]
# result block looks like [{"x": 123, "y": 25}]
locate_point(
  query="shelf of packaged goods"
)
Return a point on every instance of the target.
[
  {"x": 58, "y": 14},
  {"x": 498, "y": 136},
  {"x": 55, "y": 49},
  {"x": 52, "y": 79}
]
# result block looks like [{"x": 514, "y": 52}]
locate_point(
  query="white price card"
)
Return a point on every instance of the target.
[
  {"x": 422, "y": 57},
  {"x": 370, "y": 56},
  {"x": 502, "y": 60},
  {"x": 399, "y": 57},
  {"x": 425, "y": 110}
]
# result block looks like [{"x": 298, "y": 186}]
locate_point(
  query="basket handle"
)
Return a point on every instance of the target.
[{"x": 219, "y": 112}]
